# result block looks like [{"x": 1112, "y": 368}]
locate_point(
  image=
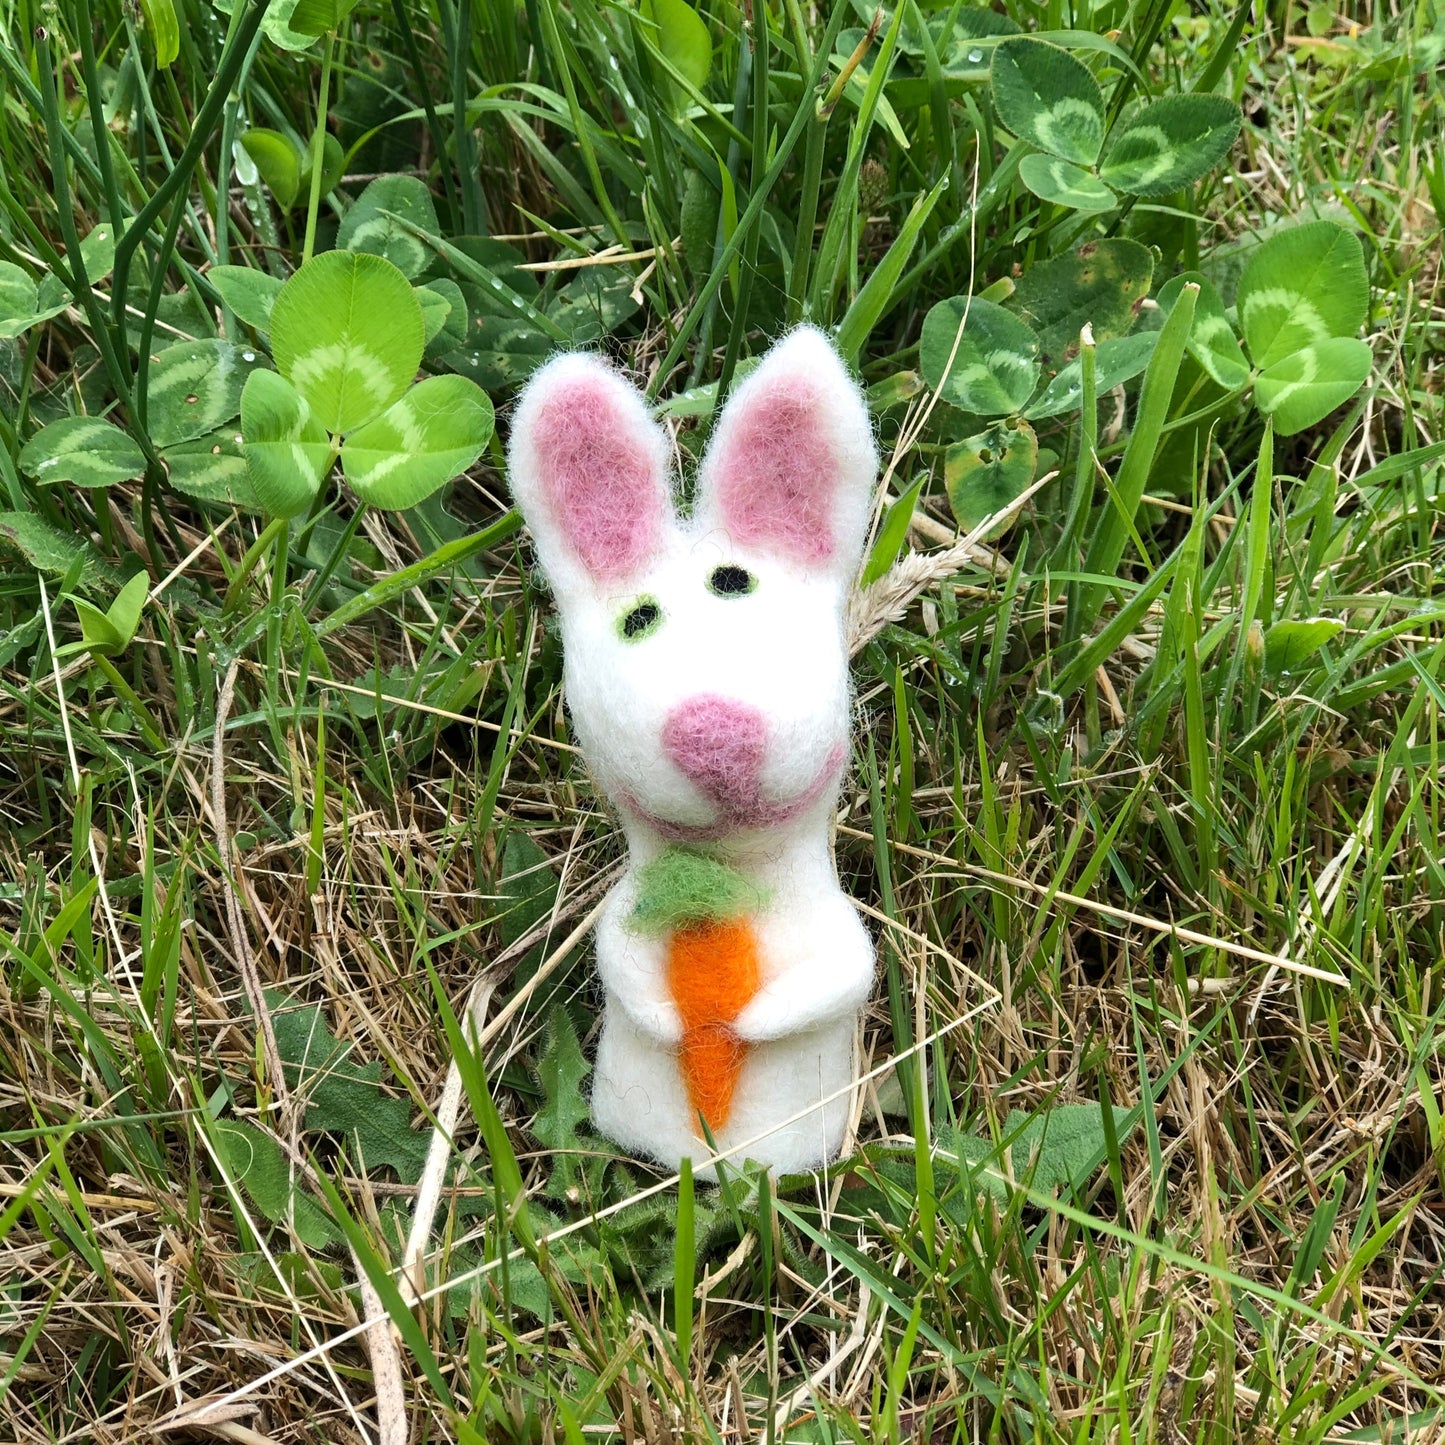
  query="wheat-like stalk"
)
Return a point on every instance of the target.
[{"x": 889, "y": 598}]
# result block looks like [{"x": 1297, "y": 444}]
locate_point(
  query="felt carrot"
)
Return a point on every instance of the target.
[
  {"x": 712, "y": 973},
  {"x": 702, "y": 907}
]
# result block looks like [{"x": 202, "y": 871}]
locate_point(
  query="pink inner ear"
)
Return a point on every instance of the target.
[
  {"x": 599, "y": 478},
  {"x": 776, "y": 473}
]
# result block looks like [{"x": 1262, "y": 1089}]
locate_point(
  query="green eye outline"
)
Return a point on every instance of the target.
[
  {"x": 640, "y": 620},
  {"x": 729, "y": 580}
]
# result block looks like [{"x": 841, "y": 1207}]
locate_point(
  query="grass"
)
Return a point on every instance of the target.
[{"x": 1116, "y": 845}]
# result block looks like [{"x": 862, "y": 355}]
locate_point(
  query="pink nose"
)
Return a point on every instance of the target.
[{"x": 720, "y": 745}]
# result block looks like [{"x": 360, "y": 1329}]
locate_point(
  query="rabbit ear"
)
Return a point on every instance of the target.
[
  {"x": 589, "y": 471},
  {"x": 790, "y": 468}
]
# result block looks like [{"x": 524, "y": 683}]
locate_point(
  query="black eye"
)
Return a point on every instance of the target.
[
  {"x": 643, "y": 618},
  {"x": 731, "y": 581}
]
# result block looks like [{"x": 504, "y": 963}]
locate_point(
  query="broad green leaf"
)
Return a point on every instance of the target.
[
  {"x": 195, "y": 386},
  {"x": 1306, "y": 386},
  {"x": 160, "y": 18},
  {"x": 344, "y": 1097},
  {"x": 248, "y": 292},
  {"x": 333, "y": 165},
  {"x": 453, "y": 330},
  {"x": 434, "y": 311},
  {"x": 212, "y": 469},
  {"x": 434, "y": 433},
  {"x": 97, "y": 250},
  {"x": 97, "y": 634},
  {"x": 125, "y": 611},
  {"x": 1291, "y": 645},
  {"x": 700, "y": 205},
  {"x": 316, "y": 17},
  {"x": 287, "y": 451},
  {"x": 110, "y": 632},
  {"x": 528, "y": 886},
  {"x": 23, "y": 304},
  {"x": 1170, "y": 144},
  {"x": 995, "y": 367},
  {"x": 593, "y": 304},
  {"x": 347, "y": 332},
  {"x": 986, "y": 472},
  {"x": 86, "y": 450},
  {"x": 1062, "y": 1146},
  {"x": 560, "y": 1071},
  {"x": 1101, "y": 282},
  {"x": 277, "y": 26},
  {"x": 371, "y": 226},
  {"x": 1212, "y": 341},
  {"x": 681, "y": 36},
  {"x": 961, "y": 56},
  {"x": 1117, "y": 360},
  {"x": 1065, "y": 184},
  {"x": 1048, "y": 98},
  {"x": 1303, "y": 285},
  {"x": 18, "y": 300},
  {"x": 255, "y": 1159},
  {"x": 278, "y": 162},
  {"x": 503, "y": 356},
  {"x": 48, "y": 549}
]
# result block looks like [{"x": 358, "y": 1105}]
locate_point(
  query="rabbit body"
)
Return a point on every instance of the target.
[{"x": 705, "y": 666}]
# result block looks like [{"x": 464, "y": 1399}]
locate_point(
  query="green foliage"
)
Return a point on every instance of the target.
[
  {"x": 994, "y": 367},
  {"x": 1301, "y": 286},
  {"x": 1302, "y": 298},
  {"x": 433, "y": 433},
  {"x": 1291, "y": 644},
  {"x": 1147, "y": 790},
  {"x": 1051, "y": 99},
  {"x": 195, "y": 386},
  {"x": 285, "y": 165},
  {"x": 1052, "y": 178},
  {"x": 256, "y": 1160},
  {"x": 1101, "y": 283},
  {"x": 1212, "y": 341},
  {"x": 984, "y": 473},
  {"x": 1047, "y": 97},
  {"x": 1170, "y": 144},
  {"x": 681, "y": 39},
  {"x": 23, "y": 303},
  {"x": 1057, "y": 1149},
  {"x": 85, "y": 450},
  {"x": 376, "y": 223},
  {"x": 347, "y": 333},
  {"x": 110, "y": 632},
  {"x": 249, "y": 293},
  {"x": 286, "y": 449}
]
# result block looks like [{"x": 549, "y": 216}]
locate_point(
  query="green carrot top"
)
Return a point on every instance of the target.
[{"x": 679, "y": 888}]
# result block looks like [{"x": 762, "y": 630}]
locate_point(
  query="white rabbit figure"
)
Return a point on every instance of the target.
[{"x": 706, "y": 669}]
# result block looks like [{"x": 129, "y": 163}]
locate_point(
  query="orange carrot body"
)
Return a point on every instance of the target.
[{"x": 712, "y": 972}]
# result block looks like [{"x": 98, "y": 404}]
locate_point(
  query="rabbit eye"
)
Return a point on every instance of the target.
[
  {"x": 731, "y": 581},
  {"x": 640, "y": 620}
]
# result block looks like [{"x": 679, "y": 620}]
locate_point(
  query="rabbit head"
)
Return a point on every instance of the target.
[{"x": 705, "y": 658}]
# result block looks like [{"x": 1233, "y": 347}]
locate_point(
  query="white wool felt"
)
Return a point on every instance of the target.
[
  {"x": 721, "y": 725},
  {"x": 639, "y": 1100},
  {"x": 551, "y": 391},
  {"x": 806, "y": 354}
]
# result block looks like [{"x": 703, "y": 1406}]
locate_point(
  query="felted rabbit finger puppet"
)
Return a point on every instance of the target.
[{"x": 706, "y": 669}]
